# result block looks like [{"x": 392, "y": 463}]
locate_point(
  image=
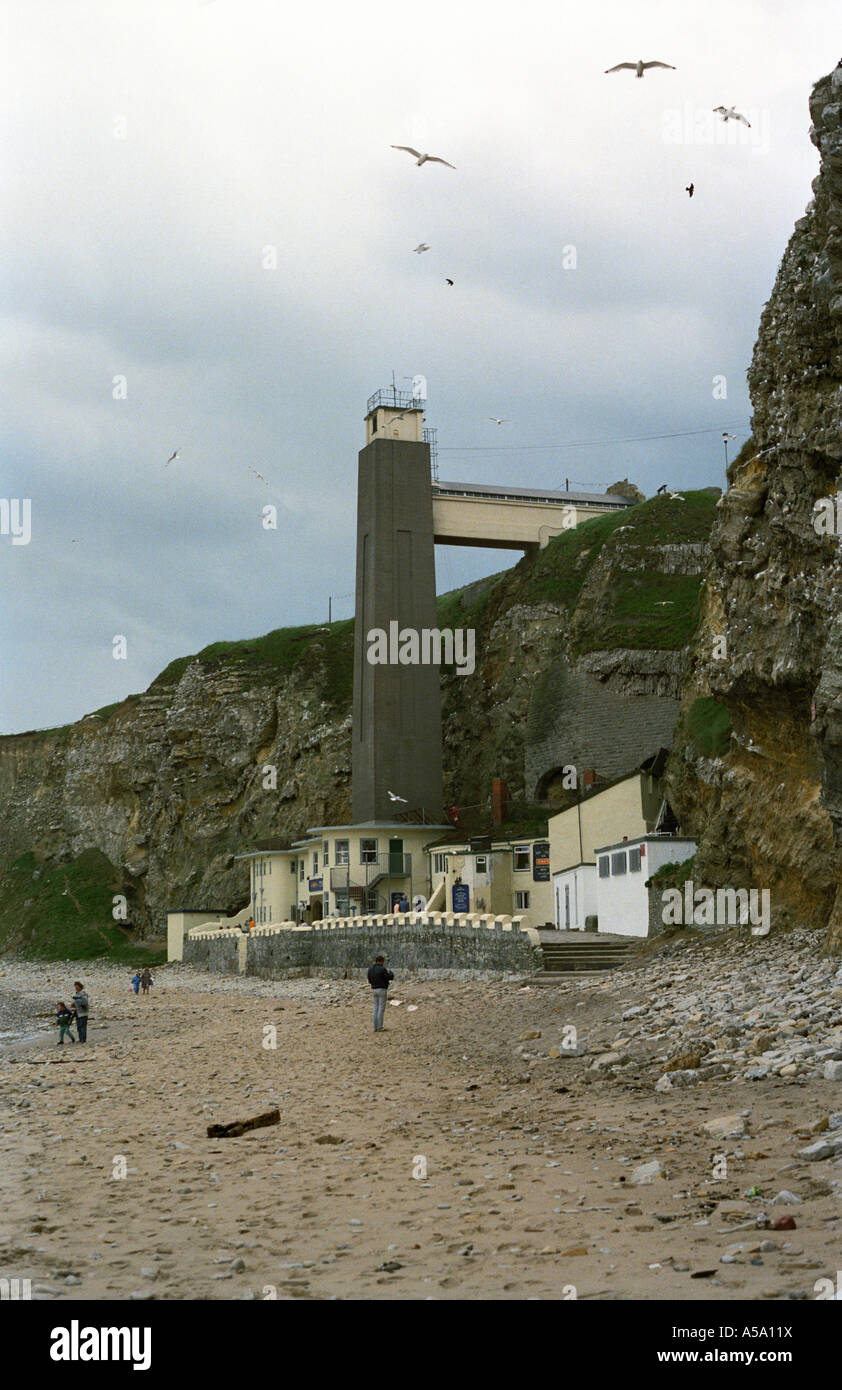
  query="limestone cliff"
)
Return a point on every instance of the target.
[
  {"x": 766, "y": 802},
  {"x": 579, "y": 655}
]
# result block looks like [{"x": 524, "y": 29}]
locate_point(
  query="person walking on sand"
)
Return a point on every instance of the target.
[
  {"x": 378, "y": 978},
  {"x": 136, "y": 982},
  {"x": 146, "y": 980},
  {"x": 81, "y": 1008},
  {"x": 64, "y": 1019}
]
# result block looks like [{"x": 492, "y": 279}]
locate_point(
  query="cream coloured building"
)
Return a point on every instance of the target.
[
  {"x": 341, "y": 870},
  {"x": 509, "y": 878},
  {"x": 628, "y": 809}
]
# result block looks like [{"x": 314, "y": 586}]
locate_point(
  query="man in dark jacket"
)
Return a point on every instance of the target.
[{"x": 378, "y": 978}]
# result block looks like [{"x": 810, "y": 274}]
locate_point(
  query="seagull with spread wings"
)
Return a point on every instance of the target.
[
  {"x": 393, "y": 797},
  {"x": 420, "y": 248},
  {"x": 174, "y": 455},
  {"x": 504, "y": 421},
  {"x": 639, "y": 68},
  {"x": 259, "y": 475},
  {"x": 730, "y": 113},
  {"x": 423, "y": 158}
]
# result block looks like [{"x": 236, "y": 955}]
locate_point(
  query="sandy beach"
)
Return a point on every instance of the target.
[{"x": 532, "y": 1186}]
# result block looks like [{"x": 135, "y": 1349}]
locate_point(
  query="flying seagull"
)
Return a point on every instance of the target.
[
  {"x": 730, "y": 113},
  {"x": 504, "y": 421},
  {"x": 639, "y": 67},
  {"x": 174, "y": 455},
  {"x": 676, "y": 497},
  {"x": 393, "y": 797},
  {"x": 423, "y": 158},
  {"x": 690, "y": 189},
  {"x": 449, "y": 281},
  {"x": 259, "y": 475},
  {"x": 422, "y": 246}
]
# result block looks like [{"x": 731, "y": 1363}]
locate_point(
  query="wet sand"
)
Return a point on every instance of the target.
[{"x": 529, "y": 1188}]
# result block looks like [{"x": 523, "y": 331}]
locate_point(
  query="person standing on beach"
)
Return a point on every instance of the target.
[
  {"x": 378, "y": 978},
  {"x": 146, "y": 980},
  {"x": 136, "y": 981},
  {"x": 81, "y": 1008}
]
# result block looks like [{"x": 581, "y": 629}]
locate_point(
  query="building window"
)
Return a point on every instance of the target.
[
  {"x": 618, "y": 863},
  {"x": 342, "y": 854},
  {"x": 300, "y": 869},
  {"x": 522, "y": 901},
  {"x": 634, "y": 861},
  {"x": 292, "y": 866},
  {"x": 440, "y": 863},
  {"x": 482, "y": 864},
  {"x": 604, "y": 866},
  {"x": 521, "y": 858},
  {"x": 343, "y": 904},
  {"x": 315, "y": 862},
  {"x": 325, "y": 852},
  {"x": 371, "y": 900},
  {"x": 368, "y": 851}
]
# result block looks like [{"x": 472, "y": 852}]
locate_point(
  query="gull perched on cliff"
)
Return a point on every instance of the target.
[
  {"x": 423, "y": 158},
  {"x": 639, "y": 67},
  {"x": 730, "y": 113}
]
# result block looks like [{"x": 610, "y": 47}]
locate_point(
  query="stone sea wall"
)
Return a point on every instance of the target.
[{"x": 430, "y": 951}]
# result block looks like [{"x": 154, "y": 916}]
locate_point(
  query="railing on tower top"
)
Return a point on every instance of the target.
[{"x": 393, "y": 399}]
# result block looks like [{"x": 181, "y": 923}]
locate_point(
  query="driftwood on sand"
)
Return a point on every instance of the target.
[{"x": 237, "y": 1127}]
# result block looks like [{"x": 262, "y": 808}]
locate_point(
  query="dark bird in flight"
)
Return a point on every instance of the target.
[
  {"x": 690, "y": 188},
  {"x": 449, "y": 281},
  {"x": 174, "y": 455}
]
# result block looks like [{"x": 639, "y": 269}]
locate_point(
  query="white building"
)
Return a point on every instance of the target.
[
  {"x": 622, "y": 872},
  {"x": 631, "y": 806}
]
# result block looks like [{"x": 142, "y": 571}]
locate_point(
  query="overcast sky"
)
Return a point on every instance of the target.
[{"x": 153, "y": 151}]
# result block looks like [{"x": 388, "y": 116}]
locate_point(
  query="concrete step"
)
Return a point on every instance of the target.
[{"x": 570, "y": 957}]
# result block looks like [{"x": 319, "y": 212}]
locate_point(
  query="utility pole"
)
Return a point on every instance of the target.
[
  {"x": 329, "y": 608},
  {"x": 725, "y": 437}
]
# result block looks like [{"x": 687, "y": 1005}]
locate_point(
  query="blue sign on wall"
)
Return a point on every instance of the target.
[
  {"x": 315, "y": 885},
  {"x": 461, "y": 897}
]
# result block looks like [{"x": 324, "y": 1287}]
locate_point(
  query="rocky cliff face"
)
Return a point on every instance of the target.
[
  {"x": 768, "y": 809},
  {"x": 580, "y": 652}
]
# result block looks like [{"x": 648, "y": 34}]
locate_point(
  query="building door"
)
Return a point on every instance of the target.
[
  {"x": 567, "y": 907},
  {"x": 395, "y": 857}
]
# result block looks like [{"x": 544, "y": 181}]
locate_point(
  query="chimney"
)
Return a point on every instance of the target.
[
  {"x": 499, "y": 800},
  {"x": 588, "y": 777}
]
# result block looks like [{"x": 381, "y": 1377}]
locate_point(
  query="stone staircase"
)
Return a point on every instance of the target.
[{"x": 575, "y": 952}]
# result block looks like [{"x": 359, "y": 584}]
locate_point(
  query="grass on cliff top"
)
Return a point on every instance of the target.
[
  {"x": 559, "y": 571},
  {"x": 39, "y": 920}
]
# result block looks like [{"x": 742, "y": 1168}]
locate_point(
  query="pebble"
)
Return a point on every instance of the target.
[{"x": 647, "y": 1172}]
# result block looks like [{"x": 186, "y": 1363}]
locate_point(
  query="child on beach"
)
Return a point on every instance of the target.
[
  {"x": 64, "y": 1019},
  {"x": 136, "y": 982},
  {"x": 146, "y": 980}
]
